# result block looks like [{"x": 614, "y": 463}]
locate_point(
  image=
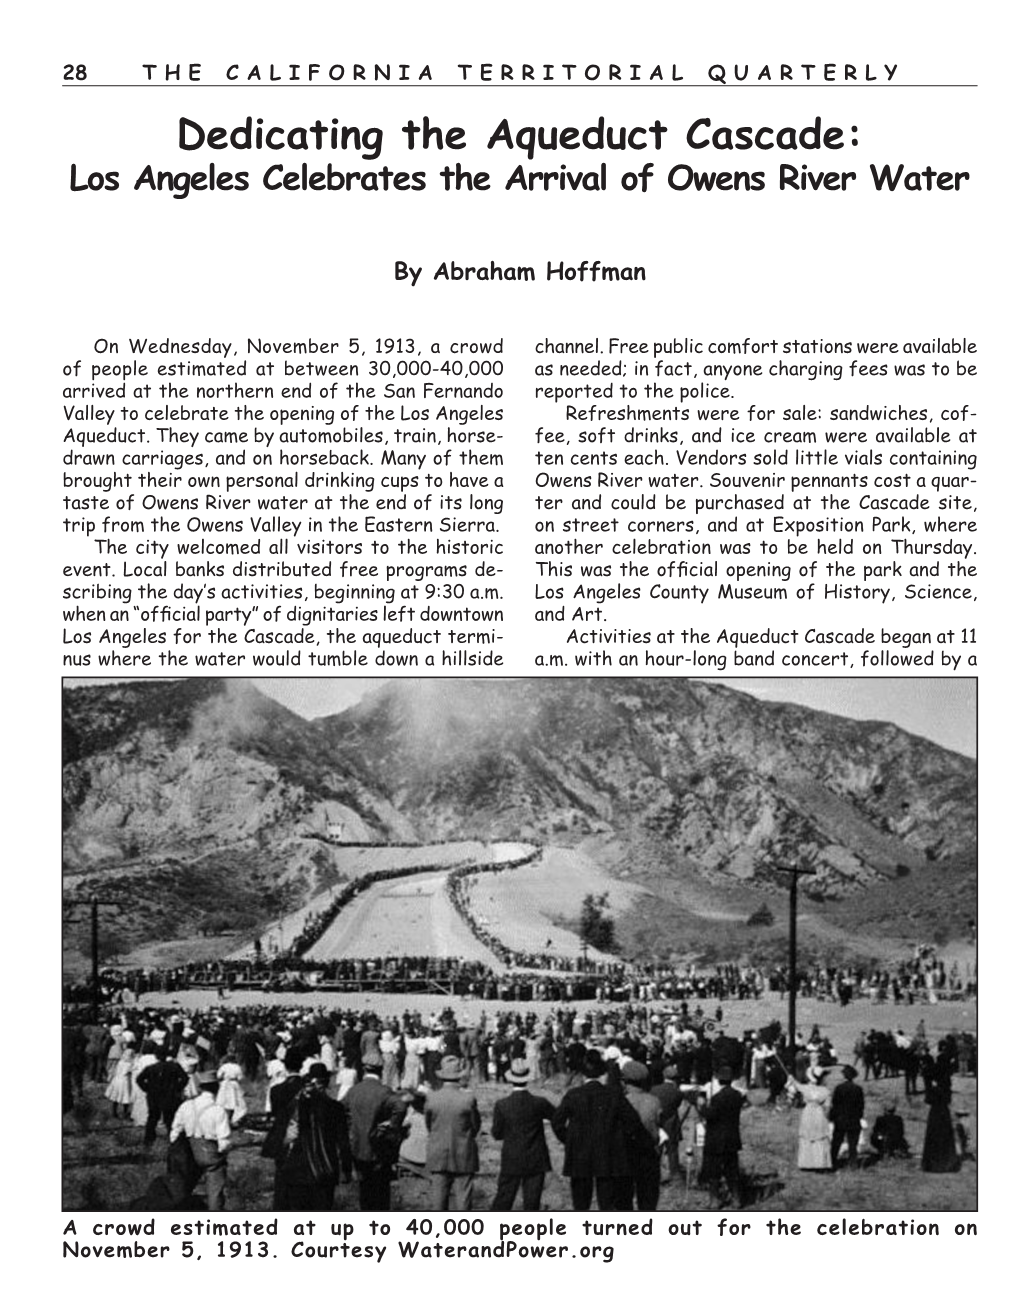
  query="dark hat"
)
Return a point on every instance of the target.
[
  {"x": 850, "y": 1073},
  {"x": 519, "y": 1073},
  {"x": 450, "y": 1068},
  {"x": 593, "y": 1064},
  {"x": 724, "y": 1075},
  {"x": 318, "y": 1071},
  {"x": 634, "y": 1073},
  {"x": 206, "y": 1078}
]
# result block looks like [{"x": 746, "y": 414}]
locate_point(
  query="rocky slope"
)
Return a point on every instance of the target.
[
  {"x": 733, "y": 785},
  {"x": 202, "y": 798}
]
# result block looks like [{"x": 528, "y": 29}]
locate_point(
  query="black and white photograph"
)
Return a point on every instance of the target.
[{"x": 553, "y": 944}]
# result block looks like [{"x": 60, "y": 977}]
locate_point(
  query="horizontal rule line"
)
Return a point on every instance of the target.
[{"x": 518, "y": 86}]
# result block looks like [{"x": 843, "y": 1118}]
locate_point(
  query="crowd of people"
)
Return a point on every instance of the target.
[
  {"x": 527, "y": 977},
  {"x": 341, "y": 1093},
  {"x": 316, "y": 924}
]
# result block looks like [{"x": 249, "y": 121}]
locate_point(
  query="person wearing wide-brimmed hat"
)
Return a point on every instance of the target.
[
  {"x": 519, "y": 1122},
  {"x": 453, "y": 1122}
]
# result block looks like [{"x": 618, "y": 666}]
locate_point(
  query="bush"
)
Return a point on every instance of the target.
[{"x": 762, "y": 916}]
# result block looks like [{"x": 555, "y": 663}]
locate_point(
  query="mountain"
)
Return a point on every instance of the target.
[
  {"x": 202, "y": 801},
  {"x": 198, "y": 800},
  {"x": 731, "y": 785}
]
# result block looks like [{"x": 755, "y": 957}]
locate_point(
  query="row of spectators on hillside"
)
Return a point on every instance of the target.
[{"x": 316, "y": 924}]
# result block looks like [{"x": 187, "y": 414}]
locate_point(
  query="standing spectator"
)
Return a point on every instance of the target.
[
  {"x": 315, "y": 1149},
  {"x": 119, "y": 1091},
  {"x": 643, "y": 1148},
  {"x": 814, "y": 1150},
  {"x": 98, "y": 1043},
  {"x": 518, "y": 1121},
  {"x": 939, "y": 1153},
  {"x": 846, "y": 1115},
  {"x": 720, "y": 1157},
  {"x": 453, "y": 1122},
  {"x": 163, "y": 1084},
  {"x": 376, "y": 1124},
  {"x": 592, "y": 1122},
  {"x": 230, "y": 1095},
  {"x": 208, "y": 1130},
  {"x": 670, "y": 1101}
]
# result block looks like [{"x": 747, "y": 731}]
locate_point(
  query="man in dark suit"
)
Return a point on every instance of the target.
[
  {"x": 371, "y": 1106},
  {"x": 593, "y": 1122},
  {"x": 670, "y": 1103},
  {"x": 281, "y": 1103},
  {"x": 846, "y": 1113},
  {"x": 720, "y": 1157},
  {"x": 163, "y": 1084},
  {"x": 518, "y": 1120}
]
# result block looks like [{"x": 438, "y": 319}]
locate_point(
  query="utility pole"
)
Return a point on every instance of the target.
[
  {"x": 794, "y": 872},
  {"x": 94, "y": 904}
]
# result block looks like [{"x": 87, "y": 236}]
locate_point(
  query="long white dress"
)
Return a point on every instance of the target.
[
  {"x": 814, "y": 1133},
  {"x": 120, "y": 1089},
  {"x": 230, "y": 1096},
  {"x": 411, "y": 1077}
]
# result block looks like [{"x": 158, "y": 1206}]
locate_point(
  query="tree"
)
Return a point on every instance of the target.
[
  {"x": 597, "y": 929},
  {"x": 762, "y": 916}
]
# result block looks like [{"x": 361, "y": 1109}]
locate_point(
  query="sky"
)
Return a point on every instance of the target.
[{"x": 943, "y": 710}]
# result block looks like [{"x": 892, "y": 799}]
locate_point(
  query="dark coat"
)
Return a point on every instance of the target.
[
  {"x": 368, "y": 1104},
  {"x": 453, "y": 1121},
  {"x": 722, "y": 1122},
  {"x": 518, "y": 1121},
  {"x": 281, "y": 1100},
  {"x": 594, "y": 1122},
  {"x": 847, "y": 1108},
  {"x": 670, "y": 1099},
  {"x": 163, "y": 1083}
]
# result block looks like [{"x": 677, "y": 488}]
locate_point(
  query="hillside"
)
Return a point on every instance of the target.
[
  {"x": 731, "y": 784},
  {"x": 203, "y": 804},
  {"x": 199, "y": 801}
]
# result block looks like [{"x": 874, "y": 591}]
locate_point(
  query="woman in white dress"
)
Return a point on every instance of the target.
[
  {"x": 346, "y": 1078},
  {"x": 814, "y": 1133},
  {"x": 230, "y": 1096},
  {"x": 388, "y": 1046},
  {"x": 120, "y": 1090},
  {"x": 414, "y": 1047},
  {"x": 276, "y": 1074}
]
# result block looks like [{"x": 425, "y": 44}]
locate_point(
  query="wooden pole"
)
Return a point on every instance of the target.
[{"x": 794, "y": 872}]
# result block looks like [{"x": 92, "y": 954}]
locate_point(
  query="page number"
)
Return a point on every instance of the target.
[{"x": 75, "y": 73}]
